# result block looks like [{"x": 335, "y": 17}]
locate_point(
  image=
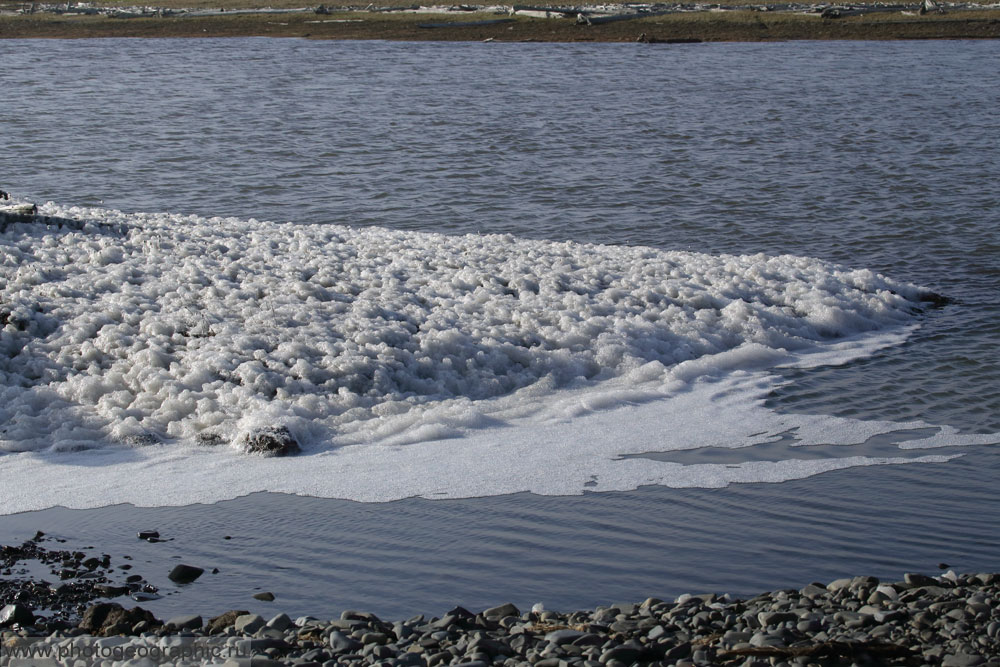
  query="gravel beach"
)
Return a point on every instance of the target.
[{"x": 90, "y": 617}]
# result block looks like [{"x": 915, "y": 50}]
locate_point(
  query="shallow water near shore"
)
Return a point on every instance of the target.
[
  {"x": 398, "y": 559},
  {"x": 737, "y": 148}
]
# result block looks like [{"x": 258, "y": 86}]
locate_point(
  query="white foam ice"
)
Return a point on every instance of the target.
[{"x": 405, "y": 363}]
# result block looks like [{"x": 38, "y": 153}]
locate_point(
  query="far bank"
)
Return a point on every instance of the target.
[{"x": 738, "y": 24}]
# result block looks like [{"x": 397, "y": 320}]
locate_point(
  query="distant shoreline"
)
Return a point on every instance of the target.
[{"x": 472, "y": 23}]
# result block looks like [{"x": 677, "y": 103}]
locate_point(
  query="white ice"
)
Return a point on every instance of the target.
[{"x": 405, "y": 363}]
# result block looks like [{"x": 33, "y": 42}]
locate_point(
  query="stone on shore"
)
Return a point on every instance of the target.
[{"x": 219, "y": 623}]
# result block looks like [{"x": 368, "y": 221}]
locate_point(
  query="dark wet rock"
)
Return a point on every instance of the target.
[
  {"x": 272, "y": 441},
  {"x": 266, "y": 596},
  {"x": 109, "y": 618},
  {"x": 93, "y": 619},
  {"x": 210, "y": 439},
  {"x": 934, "y": 299},
  {"x": 16, "y": 614},
  {"x": 108, "y": 591},
  {"x": 146, "y": 534},
  {"x": 184, "y": 574}
]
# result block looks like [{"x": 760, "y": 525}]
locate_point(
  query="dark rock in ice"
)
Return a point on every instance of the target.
[
  {"x": 266, "y": 596},
  {"x": 16, "y": 614},
  {"x": 185, "y": 574},
  {"x": 210, "y": 439},
  {"x": 271, "y": 441}
]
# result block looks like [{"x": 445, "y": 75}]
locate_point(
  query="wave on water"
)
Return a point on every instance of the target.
[{"x": 142, "y": 336}]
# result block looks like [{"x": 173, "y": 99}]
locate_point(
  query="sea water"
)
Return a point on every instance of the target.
[{"x": 469, "y": 271}]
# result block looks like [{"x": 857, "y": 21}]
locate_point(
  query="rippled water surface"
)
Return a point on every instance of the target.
[{"x": 876, "y": 155}]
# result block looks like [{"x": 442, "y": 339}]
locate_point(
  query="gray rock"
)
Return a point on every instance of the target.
[
  {"x": 341, "y": 643},
  {"x": 565, "y": 636},
  {"x": 184, "y": 622},
  {"x": 890, "y": 616},
  {"x": 223, "y": 621},
  {"x": 501, "y": 611},
  {"x": 838, "y": 584},
  {"x": 280, "y": 622},
  {"x": 762, "y": 639},
  {"x": 809, "y": 627},
  {"x": 813, "y": 591},
  {"x": 248, "y": 623},
  {"x": 769, "y": 618},
  {"x": 624, "y": 654},
  {"x": 961, "y": 660},
  {"x": 490, "y": 647}
]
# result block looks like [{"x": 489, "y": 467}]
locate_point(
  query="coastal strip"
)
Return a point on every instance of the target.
[
  {"x": 509, "y": 24},
  {"x": 950, "y": 620}
]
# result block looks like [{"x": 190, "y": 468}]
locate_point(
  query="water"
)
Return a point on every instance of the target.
[{"x": 856, "y": 153}]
